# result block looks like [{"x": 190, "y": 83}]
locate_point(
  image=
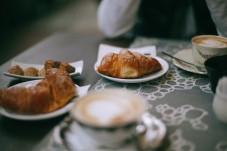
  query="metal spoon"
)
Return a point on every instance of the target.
[{"x": 203, "y": 69}]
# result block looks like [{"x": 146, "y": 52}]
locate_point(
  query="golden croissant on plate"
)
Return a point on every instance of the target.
[
  {"x": 128, "y": 64},
  {"x": 51, "y": 93}
]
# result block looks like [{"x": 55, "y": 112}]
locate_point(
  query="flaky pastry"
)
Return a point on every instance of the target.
[
  {"x": 49, "y": 94},
  {"x": 128, "y": 64}
]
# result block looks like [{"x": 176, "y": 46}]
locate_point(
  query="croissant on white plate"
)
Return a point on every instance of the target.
[
  {"x": 128, "y": 64},
  {"x": 51, "y": 93}
]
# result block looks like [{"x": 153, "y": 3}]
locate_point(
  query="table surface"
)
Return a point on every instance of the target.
[{"x": 180, "y": 99}]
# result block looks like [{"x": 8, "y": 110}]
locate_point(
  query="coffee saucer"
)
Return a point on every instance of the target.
[
  {"x": 69, "y": 137},
  {"x": 186, "y": 55}
]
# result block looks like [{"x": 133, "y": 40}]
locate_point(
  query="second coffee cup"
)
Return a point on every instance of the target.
[{"x": 207, "y": 46}]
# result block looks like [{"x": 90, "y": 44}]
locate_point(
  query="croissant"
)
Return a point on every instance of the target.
[
  {"x": 53, "y": 92},
  {"x": 127, "y": 64}
]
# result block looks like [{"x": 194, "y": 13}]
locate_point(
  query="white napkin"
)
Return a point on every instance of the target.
[
  {"x": 104, "y": 49},
  {"x": 82, "y": 90}
]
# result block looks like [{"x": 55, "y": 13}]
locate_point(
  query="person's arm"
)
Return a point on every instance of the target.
[
  {"x": 218, "y": 10},
  {"x": 117, "y": 17}
]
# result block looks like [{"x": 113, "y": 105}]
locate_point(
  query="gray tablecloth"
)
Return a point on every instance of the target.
[{"x": 182, "y": 100}]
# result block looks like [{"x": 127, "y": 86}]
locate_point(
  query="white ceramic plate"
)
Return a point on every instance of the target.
[
  {"x": 186, "y": 55},
  {"x": 148, "y": 77},
  {"x": 32, "y": 117},
  {"x": 78, "y": 65}
]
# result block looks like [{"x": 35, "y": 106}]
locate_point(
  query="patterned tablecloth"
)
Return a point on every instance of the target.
[{"x": 182, "y": 100}]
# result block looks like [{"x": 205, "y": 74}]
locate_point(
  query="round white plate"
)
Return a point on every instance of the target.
[
  {"x": 148, "y": 77},
  {"x": 32, "y": 117},
  {"x": 78, "y": 65},
  {"x": 186, "y": 55}
]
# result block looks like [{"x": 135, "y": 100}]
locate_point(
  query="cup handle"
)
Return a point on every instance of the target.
[
  {"x": 58, "y": 131},
  {"x": 149, "y": 133}
]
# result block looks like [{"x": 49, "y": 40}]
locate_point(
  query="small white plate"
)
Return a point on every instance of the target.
[
  {"x": 186, "y": 55},
  {"x": 148, "y": 77},
  {"x": 32, "y": 117},
  {"x": 78, "y": 65}
]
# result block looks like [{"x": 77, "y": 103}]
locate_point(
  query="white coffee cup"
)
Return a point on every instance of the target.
[
  {"x": 109, "y": 116},
  {"x": 207, "y": 46},
  {"x": 220, "y": 100}
]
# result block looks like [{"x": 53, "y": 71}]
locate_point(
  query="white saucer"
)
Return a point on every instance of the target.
[
  {"x": 186, "y": 55},
  {"x": 68, "y": 136}
]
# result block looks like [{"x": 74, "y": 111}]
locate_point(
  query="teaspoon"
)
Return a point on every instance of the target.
[{"x": 203, "y": 69}]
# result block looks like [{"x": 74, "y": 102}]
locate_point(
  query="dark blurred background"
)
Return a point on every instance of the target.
[
  {"x": 23, "y": 23},
  {"x": 26, "y": 22}
]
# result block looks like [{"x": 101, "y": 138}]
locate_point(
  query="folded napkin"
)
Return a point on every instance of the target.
[
  {"x": 104, "y": 49},
  {"x": 82, "y": 90}
]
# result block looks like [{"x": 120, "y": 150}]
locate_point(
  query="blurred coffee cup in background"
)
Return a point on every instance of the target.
[
  {"x": 207, "y": 46},
  {"x": 220, "y": 100}
]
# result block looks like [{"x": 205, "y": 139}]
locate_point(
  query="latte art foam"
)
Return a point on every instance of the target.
[
  {"x": 215, "y": 42},
  {"x": 107, "y": 112},
  {"x": 108, "y": 109}
]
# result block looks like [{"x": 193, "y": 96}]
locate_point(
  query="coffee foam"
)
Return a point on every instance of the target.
[
  {"x": 211, "y": 42},
  {"x": 108, "y": 109}
]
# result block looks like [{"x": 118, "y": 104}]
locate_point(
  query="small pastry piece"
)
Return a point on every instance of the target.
[
  {"x": 51, "y": 64},
  {"x": 57, "y": 64},
  {"x": 67, "y": 67},
  {"x": 128, "y": 64},
  {"x": 31, "y": 71},
  {"x": 42, "y": 72},
  {"x": 48, "y": 64},
  {"x": 16, "y": 70}
]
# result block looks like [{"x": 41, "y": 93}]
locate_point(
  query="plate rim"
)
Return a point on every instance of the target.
[
  {"x": 188, "y": 68},
  {"x": 77, "y": 73},
  {"x": 145, "y": 78},
  {"x": 43, "y": 116}
]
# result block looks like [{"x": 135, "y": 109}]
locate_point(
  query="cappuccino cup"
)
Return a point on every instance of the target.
[
  {"x": 207, "y": 46},
  {"x": 110, "y": 116}
]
